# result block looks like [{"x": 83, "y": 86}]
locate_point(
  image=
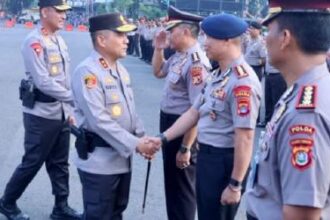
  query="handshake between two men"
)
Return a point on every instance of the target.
[{"x": 149, "y": 146}]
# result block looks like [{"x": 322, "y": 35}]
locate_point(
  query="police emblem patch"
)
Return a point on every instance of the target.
[
  {"x": 37, "y": 48},
  {"x": 242, "y": 95},
  {"x": 302, "y": 155},
  {"x": 196, "y": 74},
  {"x": 90, "y": 81},
  {"x": 307, "y": 97}
]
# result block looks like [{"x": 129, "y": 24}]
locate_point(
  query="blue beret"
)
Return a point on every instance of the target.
[{"x": 224, "y": 26}]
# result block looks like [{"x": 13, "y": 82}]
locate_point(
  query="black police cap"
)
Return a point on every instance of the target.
[
  {"x": 113, "y": 21},
  {"x": 255, "y": 24},
  {"x": 60, "y": 5},
  {"x": 176, "y": 17}
]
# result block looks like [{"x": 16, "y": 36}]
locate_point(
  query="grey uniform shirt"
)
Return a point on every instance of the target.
[
  {"x": 230, "y": 100},
  {"x": 294, "y": 166},
  {"x": 105, "y": 106},
  {"x": 255, "y": 51},
  {"x": 185, "y": 78},
  {"x": 46, "y": 61}
]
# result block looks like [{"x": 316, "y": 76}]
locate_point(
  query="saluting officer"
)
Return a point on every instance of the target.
[
  {"x": 291, "y": 178},
  {"x": 185, "y": 73},
  {"x": 45, "y": 116},
  {"x": 226, "y": 113},
  {"x": 105, "y": 110}
]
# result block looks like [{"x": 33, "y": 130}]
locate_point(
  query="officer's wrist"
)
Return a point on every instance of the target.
[
  {"x": 235, "y": 185},
  {"x": 163, "y": 138},
  {"x": 184, "y": 149}
]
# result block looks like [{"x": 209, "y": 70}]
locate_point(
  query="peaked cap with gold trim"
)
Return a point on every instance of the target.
[
  {"x": 176, "y": 17},
  {"x": 60, "y": 5},
  {"x": 276, "y": 7},
  {"x": 113, "y": 21}
]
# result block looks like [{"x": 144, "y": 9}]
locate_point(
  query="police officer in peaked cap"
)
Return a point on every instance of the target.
[
  {"x": 47, "y": 112},
  {"x": 185, "y": 73},
  {"x": 291, "y": 178}
]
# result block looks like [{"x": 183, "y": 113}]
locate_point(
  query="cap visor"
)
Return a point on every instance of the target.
[
  {"x": 268, "y": 19},
  {"x": 172, "y": 24},
  {"x": 126, "y": 28},
  {"x": 63, "y": 7}
]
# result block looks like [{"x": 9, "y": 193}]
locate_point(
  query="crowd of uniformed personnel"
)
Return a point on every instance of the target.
[{"x": 213, "y": 68}]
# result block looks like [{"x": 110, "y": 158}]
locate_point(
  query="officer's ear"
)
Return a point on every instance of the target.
[
  {"x": 286, "y": 39},
  {"x": 44, "y": 12}
]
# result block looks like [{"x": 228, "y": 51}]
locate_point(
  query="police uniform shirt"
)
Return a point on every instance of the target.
[
  {"x": 186, "y": 73},
  {"x": 105, "y": 106},
  {"x": 47, "y": 61},
  {"x": 230, "y": 100},
  {"x": 255, "y": 51},
  {"x": 293, "y": 165}
]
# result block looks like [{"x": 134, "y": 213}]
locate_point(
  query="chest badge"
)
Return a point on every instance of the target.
[{"x": 116, "y": 111}]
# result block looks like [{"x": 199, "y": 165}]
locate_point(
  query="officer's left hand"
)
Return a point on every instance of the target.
[
  {"x": 72, "y": 120},
  {"x": 230, "y": 197},
  {"x": 183, "y": 160}
]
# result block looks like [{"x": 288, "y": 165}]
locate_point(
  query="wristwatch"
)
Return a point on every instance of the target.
[
  {"x": 235, "y": 185},
  {"x": 184, "y": 149},
  {"x": 162, "y": 138}
]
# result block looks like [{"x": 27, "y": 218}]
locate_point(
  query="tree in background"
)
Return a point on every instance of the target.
[
  {"x": 15, "y": 6},
  {"x": 152, "y": 11},
  {"x": 255, "y": 7}
]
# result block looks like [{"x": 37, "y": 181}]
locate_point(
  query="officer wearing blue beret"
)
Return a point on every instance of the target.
[
  {"x": 225, "y": 113},
  {"x": 291, "y": 178}
]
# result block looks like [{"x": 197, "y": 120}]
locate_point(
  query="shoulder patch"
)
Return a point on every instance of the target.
[
  {"x": 37, "y": 48},
  {"x": 242, "y": 95},
  {"x": 90, "y": 81},
  {"x": 301, "y": 153},
  {"x": 301, "y": 129},
  {"x": 196, "y": 75},
  {"x": 103, "y": 63},
  {"x": 307, "y": 97},
  {"x": 195, "y": 57},
  {"x": 240, "y": 71}
]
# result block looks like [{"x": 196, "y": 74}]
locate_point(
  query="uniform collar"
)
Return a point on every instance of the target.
[{"x": 310, "y": 76}]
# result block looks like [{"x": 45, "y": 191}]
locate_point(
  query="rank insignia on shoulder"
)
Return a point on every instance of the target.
[
  {"x": 301, "y": 153},
  {"x": 301, "y": 129},
  {"x": 240, "y": 71},
  {"x": 307, "y": 97},
  {"x": 104, "y": 63},
  {"x": 242, "y": 95},
  {"x": 37, "y": 48},
  {"x": 90, "y": 81},
  {"x": 197, "y": 75},
  {"x": 195, "y": 57}
]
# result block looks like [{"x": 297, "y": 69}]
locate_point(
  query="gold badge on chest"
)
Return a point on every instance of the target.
[
  {"x": 54, "y": 70},
  {"x": 116, "y": 111}
]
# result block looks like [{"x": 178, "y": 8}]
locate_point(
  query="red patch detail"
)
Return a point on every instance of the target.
[
  {"x": 241, "y": 72},
  {"x": 307, "y": 97},
  {"x": 242, "y": 95},
  {"x": 301, "y": 129},
  {"x": 302, "y": 155},
  {"x": 196, "y": 74},
  {"x": 37, "y": 48},
  {"x": 90, "y": 81}
]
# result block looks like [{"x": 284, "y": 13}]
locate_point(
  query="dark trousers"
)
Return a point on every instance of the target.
[
  {"x": 46, "y": 141},
  {"x": 249, "y": 217},
  {"x": 136, "y": 45},
  {"x": 214, "y": 168},
  {"x": 143, "y": 47},
  {"x": 130, "y": 48},
  {"x": 179, "y": 183},
  {"x": 105, "y": 197},
  {"x": 258, "y": 70},
  {"x": 275, "y": 86}
]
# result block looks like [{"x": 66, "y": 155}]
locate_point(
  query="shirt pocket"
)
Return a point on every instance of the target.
[
  {"x": 216, "y": 105},
  {"x": 55, "y": 64},
  {"x": 174, "y": 77},
  {"x": 114, "y": 104}
]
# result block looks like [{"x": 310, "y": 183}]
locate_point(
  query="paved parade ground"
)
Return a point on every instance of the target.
[{"x": 37, "y": 200}]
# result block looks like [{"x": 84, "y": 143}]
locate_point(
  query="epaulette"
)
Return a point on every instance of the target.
[
  {"x": 307, "y": 97},
  {"x": 103, "y": 63},
  {"x": 195, "y": 57},
  {"x": 240, "y": 71}
]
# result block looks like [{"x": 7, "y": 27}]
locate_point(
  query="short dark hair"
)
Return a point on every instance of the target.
[
  {"x": 194, "y": 28},
  {"x": 311, "y": 30}
]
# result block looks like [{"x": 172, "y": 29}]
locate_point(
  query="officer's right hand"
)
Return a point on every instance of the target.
[
  {"x": 147, "y": 147},
  {"x": 161, "y": 40}
]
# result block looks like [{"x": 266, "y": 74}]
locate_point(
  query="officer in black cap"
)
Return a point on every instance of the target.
[
  {"x": 47, "y": 110},
  {"x": 185, "y": 74},
  {"x": 106, "y": 111}
]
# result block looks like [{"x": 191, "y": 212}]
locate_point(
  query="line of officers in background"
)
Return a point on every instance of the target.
[{"x": 212, "y": 113}]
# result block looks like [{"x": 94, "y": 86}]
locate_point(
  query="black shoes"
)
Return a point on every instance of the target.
[
  {"x": 12, "y": 212},
  {"x": 65, "y": 213}
]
